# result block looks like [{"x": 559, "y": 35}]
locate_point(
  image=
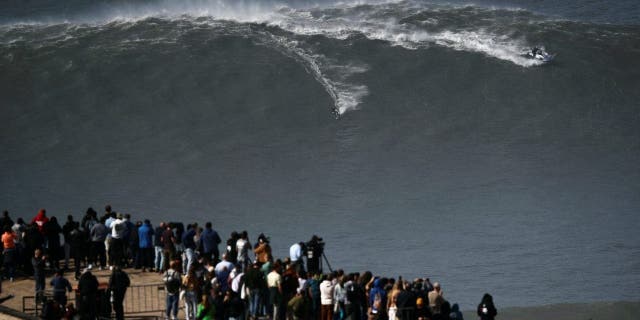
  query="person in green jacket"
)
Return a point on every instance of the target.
[{"x": 206, "y": 309}]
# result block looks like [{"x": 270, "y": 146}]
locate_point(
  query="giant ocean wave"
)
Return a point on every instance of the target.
[{"x": 495, "y": 33}]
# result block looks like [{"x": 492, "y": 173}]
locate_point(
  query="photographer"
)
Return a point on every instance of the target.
[{"x": 315, "y": 250}]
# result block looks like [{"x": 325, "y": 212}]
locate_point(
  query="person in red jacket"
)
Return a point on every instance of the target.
[{"x": 40, "y": 219}]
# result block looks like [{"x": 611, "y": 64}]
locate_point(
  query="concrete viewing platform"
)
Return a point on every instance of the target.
[{"x": 147, "y": 293}]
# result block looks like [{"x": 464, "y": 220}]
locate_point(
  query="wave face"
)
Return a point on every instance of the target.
[{"x": 451, "y": 152}]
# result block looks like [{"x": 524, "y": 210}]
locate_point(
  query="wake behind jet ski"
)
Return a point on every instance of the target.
[{"x": 539, "y": 54}]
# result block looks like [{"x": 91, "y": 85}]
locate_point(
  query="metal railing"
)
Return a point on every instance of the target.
[{"x": 139, "y": 299}]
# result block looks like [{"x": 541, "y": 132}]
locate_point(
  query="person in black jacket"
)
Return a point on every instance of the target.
[
  {"x": 118, "y": 284},
  {"x": 486, "y": 309},
  {"x": 66, "y": 230},
  {"x": 52, "y": 231},
  {"x": 88, "y": 291},
  {"x": 38, "y": 263}
]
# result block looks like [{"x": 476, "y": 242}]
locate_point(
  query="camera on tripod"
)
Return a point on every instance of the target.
[{"x": 315, "y": 251}]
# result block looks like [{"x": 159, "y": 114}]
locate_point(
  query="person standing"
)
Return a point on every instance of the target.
[
  {"x": 191, "y": 285},
  {"x": 9, "y": 252},
  {"x": 145, "y": 242},
  {"x": 436, "y": 300},
  {"x": 172, "y": 283},
  {"x": 326, "y": 298},
  {"x": 378, "y": 299},
  {"x": 129, "y": 241},
  {"x": 210, "y": 241},
  {"x": 189, "y": 248},
  {"x": 262, "y": 249},
  {"x": 38, "y": 263},
  {"x": 40, "y": 219},
  {"x": 89, "y": 219},
  {"x": 98, "y": 236},
  {"x": 223, "y": 270},
  {"x": 295, "y": 254},
  {"x": 60, "y": 286},
  {"x": 254, "y": 281},
  {"x": 88, "y": 291},
  {"x": 18, "y": 231},
  {"x": 66, "y": 232},
  {"x": 116, "y": 247},
  {"x": 158, "y": 261},
  {"x": 118, "y": 284},
  {"x": 406, "y": 302},
  {"x": 274, "y": 284},
  {"x": 168, "y": 246},
  {"x": 486, "y": 308},
  {"x": 52, "y": 231},
  {"x": 5, "y": 220},
  {"x": 242, "y": 247},
  {"x": 77, "y": 239}
]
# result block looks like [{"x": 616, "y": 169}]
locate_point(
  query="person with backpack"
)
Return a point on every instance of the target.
[{"x": 172, "y": 282}]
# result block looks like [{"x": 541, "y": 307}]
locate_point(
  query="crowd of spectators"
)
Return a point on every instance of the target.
[{"x": 243, "y": 281}]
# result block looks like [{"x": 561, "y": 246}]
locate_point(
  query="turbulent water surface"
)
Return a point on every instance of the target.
[{"x": 414, "y": 136}]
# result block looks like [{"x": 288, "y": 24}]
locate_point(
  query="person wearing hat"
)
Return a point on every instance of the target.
[{"x": 422, "y": 312}]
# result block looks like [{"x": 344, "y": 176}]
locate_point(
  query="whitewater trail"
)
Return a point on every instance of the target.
[{"x": 346, "y": 96}]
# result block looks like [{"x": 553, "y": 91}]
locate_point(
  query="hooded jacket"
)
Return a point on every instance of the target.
[
  {"x": 40, "y": 219},
  {"x": 377, "y": 290}
]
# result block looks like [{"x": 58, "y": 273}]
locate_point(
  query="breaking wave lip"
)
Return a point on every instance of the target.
[
  {"x": 404, "y": 35},
  {"x": 382, "y": 20}
]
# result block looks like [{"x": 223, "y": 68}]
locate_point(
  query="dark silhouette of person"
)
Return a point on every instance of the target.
[
  {"x": 118, "y": 284},
  {"x": 486, "y": 309},
  {"x": 87, "y": 292}
]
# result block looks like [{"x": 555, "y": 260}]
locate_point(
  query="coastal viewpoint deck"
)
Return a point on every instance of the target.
[
  {"x": 147, "y": 293},
  {"x": 144, "y": 299}
]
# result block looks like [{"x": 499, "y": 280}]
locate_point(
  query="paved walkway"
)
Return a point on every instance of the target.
[{"x": 22, "y": 286}]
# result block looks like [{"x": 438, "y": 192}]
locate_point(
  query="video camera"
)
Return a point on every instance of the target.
[
  {"x": 315, "y": 250},
  {"x": 315, "y": 247}
]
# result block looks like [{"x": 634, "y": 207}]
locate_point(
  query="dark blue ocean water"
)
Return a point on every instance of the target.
[{"x": 453, "y": 156}]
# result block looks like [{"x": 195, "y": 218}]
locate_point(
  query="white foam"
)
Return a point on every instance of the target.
[
  {"x": 345, "y": 95},
  {"x": 406, "y": 36},
  {"x": 380, "y": 21}
]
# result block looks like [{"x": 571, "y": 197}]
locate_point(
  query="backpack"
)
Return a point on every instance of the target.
[{"x": 172, "y": 282}]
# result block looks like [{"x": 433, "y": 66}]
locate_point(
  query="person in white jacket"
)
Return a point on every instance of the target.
[{"x": 326, "y": 298}]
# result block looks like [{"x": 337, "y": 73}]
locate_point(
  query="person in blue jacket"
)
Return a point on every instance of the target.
[{"x": 145, "y": 242}]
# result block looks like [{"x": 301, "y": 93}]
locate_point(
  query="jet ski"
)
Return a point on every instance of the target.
[{"x": 539, "y": 54}]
